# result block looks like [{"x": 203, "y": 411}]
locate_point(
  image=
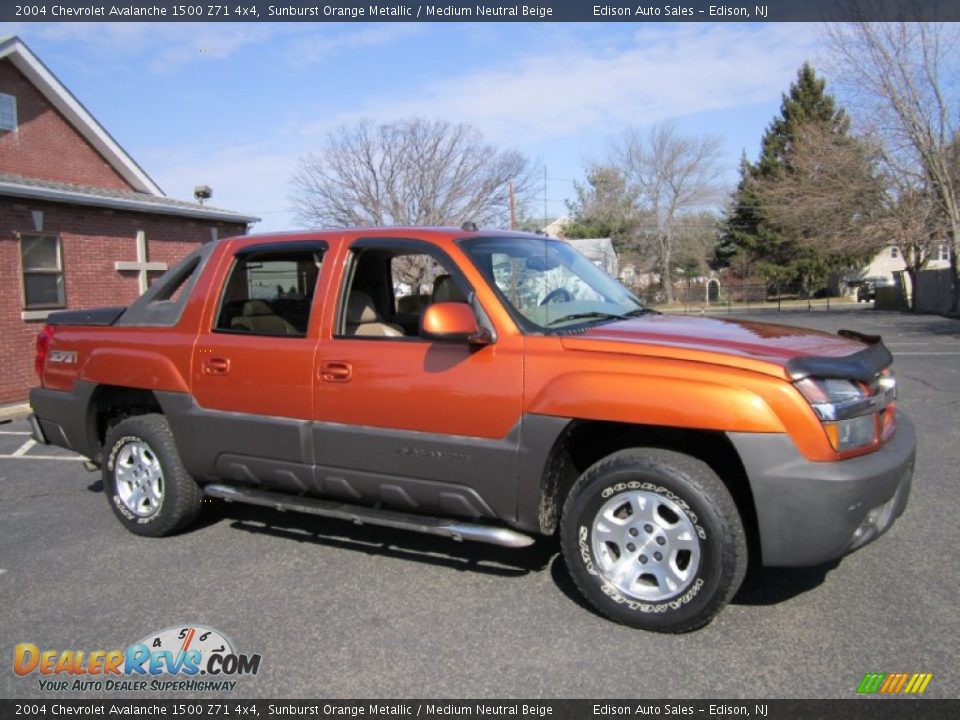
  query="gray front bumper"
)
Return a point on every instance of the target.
[{"x": 812, "y": 512}]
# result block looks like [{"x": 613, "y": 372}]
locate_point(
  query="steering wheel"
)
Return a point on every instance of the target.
[{"x": 560, "y": 293}]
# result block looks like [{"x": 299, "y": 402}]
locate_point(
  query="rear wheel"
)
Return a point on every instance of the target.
[
  {"x": 147, "y": 486},
  {"x": 653, "y": 539}
]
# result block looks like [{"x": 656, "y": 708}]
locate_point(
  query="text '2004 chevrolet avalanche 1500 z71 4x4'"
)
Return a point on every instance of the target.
[{"x": 486, "y": 386}]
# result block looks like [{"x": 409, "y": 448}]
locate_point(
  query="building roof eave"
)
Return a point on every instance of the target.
[{"x": 119, "y": 203}]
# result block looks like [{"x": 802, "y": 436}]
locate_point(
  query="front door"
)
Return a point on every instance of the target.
[{"x": 421, "y": 425}]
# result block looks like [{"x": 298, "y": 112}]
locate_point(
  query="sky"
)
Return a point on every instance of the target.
[{"x": 234, "y": 106}]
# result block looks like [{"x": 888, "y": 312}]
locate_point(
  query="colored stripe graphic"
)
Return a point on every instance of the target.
[
  {"x": 894, "y": 683},
  {"x": 871, "y": 683},
  {"x": 918, "y": 683}
]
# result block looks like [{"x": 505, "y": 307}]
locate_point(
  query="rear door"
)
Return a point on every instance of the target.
[{"x": 252, "y": 368}]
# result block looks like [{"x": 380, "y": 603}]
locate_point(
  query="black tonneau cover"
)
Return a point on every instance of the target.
[{"x": 99, "y": 317}]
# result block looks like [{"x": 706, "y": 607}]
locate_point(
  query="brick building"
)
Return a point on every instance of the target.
[{"x": 81, "y": 224}]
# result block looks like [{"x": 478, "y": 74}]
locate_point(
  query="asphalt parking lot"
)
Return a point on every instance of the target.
[{"x": 342, "y": 611}]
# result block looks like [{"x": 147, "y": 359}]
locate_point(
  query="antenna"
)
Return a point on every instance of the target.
[{"x": 545, "y": 221}]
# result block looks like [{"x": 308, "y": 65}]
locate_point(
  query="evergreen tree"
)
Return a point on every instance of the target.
[
  {"x": 750, "y": 241},
  {"x": 604, "y": 207}
]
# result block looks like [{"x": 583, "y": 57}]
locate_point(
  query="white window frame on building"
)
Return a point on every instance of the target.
[
  {"x": 8, "y": 112},
  {"x": 894, "y": 252},
  {"x": 43, "y": 271},
  {"x": 944, "y": 252}
]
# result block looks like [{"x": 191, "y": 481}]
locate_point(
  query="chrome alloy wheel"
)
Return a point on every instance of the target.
[
  {"x": 645, "y": 546},
  {"x": 139, "y": 478}
]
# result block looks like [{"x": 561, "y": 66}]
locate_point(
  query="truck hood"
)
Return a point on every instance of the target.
[{"x": 716, "y": 340}]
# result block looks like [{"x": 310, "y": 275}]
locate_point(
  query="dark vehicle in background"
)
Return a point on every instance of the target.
[{"x": 867, "y": 288}]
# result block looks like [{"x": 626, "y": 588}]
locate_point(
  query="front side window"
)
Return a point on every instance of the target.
[
  {"x": 418, "y": 280},
  {"x": 548, "y": 284},
  {"x": 390, "y": 287},
  {"x": 270, "y": 293},
  {"x": 41, "y": 259}
]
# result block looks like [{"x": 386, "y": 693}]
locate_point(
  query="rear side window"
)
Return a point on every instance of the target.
[{"x": 270, "y": 293}]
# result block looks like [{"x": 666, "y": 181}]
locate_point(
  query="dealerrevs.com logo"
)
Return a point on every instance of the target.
[{"x": 190, "y": 658}]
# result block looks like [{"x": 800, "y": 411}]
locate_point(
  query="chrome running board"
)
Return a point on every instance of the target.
[{"x": 455, "y": 529}]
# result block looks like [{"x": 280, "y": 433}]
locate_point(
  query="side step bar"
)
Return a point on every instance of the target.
[{"x": 359, "y": 515}]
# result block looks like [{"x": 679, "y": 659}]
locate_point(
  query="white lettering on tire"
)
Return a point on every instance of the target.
[{"x": 612, "y": 592}]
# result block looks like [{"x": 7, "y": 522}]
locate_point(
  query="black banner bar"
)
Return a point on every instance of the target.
[
  {"x": 852, "y": 709},
  {"x": 482, "y": 11}
]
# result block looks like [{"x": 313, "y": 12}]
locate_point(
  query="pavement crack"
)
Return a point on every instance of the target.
[{"x": 927, "y": 383}]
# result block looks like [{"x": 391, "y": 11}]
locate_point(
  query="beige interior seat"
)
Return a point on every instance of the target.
[
  {"x": 446, "y": 290},
  {"x": 257, "y": 317},
  {"x": 363, "y": 319}
]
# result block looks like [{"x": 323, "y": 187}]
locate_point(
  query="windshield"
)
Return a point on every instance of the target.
[{"x": 549, "y": 284}]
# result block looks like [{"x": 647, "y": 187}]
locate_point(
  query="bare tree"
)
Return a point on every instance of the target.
[
  {"x": 672, "y": 176},
  {"x": 915, "y": 224},
  {"x": 903, "y": 74},
  {"x": 410, "y": 172}
]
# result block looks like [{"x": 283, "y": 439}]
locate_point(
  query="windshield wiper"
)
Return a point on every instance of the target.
[
  {"x": 588, "y": 316},
  {"x": 640, "y": 311}
]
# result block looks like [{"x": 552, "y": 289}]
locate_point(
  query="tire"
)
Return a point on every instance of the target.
[
  {"x": 690, "y": 552},
  {"x": 144, "y": 480}
]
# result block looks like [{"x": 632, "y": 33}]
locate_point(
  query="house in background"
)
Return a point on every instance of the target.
[
  {"x": 81, "y": 223},
  {"x": 636, "y": 278},
  {"x": 556, "y": 228},
  {"x": 599, "y": 251},
  {"x": 890, "y": 260}
]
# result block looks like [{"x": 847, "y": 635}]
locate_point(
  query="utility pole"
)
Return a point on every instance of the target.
[{"x": 513, "y": 211}]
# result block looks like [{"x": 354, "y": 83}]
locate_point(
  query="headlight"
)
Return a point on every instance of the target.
[{"x": 854, "y": 415}]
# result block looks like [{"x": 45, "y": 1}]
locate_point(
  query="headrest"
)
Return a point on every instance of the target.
[
  {"x": 360, "y": 309},
  {"x": 252, "y": 308},
  {"x": 446, "y": 290}
]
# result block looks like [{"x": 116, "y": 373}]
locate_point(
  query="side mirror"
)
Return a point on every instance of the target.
[{"x": 452, "y": 322}]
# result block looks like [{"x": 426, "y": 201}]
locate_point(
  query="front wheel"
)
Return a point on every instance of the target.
[
  {"x": 149, "y": 490},
  {"x": 653, "y": 539}
]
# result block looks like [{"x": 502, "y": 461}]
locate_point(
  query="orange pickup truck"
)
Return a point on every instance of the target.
[{"x": 489, "y": 386}]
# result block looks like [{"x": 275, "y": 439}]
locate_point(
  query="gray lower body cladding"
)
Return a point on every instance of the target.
[
  {"x": 481, "y": 479},
  {"x": 477, "y": 478},
  {"x": 809, "y": 512},
  {"x": 63, "y": 418}
]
